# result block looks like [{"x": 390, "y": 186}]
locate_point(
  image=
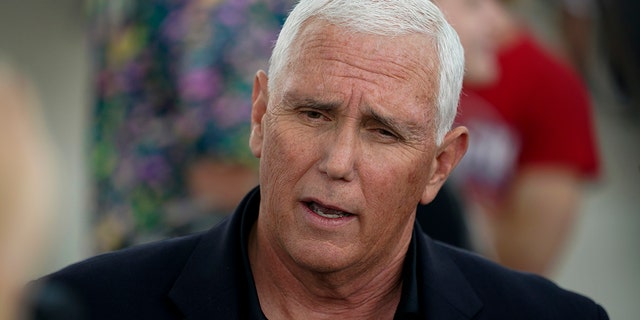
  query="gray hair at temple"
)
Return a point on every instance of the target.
[{"x": 384, "y": 18}]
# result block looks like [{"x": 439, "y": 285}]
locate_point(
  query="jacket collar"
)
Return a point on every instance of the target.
[
  {"x": 444, "y": 290},
  {"x": 209, "y": 285},
  {"x": 213, "y": 286}
]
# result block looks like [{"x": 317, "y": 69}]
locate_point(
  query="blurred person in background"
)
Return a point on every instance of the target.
[
  {"x": 532, "y": 145},
  {"x": 598, "y": 37},
  {"x": 26, "y": 187},
  {"x": 171, "y": 119},
  {"x": 577, "y": 26},
  {"x": 621, "y": 46}
]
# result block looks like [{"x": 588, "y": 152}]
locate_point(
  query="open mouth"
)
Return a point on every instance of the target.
[{"x": 325, "y": 212}]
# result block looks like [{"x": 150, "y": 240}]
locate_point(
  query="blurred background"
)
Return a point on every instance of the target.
[{"x": 66, "y": 48}]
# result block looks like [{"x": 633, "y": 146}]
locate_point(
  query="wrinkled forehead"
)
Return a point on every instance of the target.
[
  {"x": 411, "y": 59},
  {"x": 419, "y": 47}
]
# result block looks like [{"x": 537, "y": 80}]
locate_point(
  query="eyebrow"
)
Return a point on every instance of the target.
[
  {"x": 408, "y": 130},
  {"x": 291, "y": 99}
]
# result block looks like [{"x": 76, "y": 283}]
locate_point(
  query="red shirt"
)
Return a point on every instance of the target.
[{"x": 537, "y": 113}]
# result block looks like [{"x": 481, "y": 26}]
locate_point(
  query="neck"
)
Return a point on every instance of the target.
[{"x": 287, "y": 291}]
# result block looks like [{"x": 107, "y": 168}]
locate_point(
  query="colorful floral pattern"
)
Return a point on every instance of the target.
[{"x": 172, "y": 83}]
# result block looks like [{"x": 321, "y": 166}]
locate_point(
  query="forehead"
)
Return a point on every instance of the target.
[{"x": 386, "y": 67}]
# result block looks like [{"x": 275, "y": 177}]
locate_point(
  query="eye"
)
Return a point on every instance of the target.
[
  {"x": 385, "y": 134},
  {"x": 310, "y": 114}
]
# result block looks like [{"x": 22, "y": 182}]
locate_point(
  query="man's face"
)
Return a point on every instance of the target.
[
  {"x": 477, "y": 23},
  {"x": 347, "y": 149}
]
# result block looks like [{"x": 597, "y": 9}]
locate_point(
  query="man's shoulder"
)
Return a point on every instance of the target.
[
  {"x": 132, "y": 281},
  {"x": 134, "y": 262},
  {"x": 505, "y": 292}
]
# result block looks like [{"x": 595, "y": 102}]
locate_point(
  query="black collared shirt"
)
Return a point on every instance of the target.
[{"x": 408, "y": 308}]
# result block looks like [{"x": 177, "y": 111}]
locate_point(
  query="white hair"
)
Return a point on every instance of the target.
[{"x": 384, "y": 18}]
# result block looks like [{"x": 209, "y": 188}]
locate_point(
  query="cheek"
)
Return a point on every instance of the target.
[
  {"x": 284, "y": 155},
  {"x": 393, "y": 195},
  {"x": 397, "y": 181}
]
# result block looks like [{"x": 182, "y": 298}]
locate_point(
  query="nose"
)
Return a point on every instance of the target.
[{"x": 340, "y": 154}]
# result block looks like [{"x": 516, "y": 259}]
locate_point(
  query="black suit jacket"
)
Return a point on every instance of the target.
[{"x": 203, "y": 276}]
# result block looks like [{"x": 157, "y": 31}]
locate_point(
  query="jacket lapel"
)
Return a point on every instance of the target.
[
  {"x": 210, "y": 286},
  {"x": 213, "y": 282},
  {"x": 444, "y": 290}
]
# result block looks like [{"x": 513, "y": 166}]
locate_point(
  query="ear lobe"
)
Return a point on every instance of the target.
[
  {"x": 260, "y": 99},
  {"x": 448, "y": 156}
]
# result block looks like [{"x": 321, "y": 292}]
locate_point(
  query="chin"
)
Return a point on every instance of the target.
[{"x": 322, "y": 259}]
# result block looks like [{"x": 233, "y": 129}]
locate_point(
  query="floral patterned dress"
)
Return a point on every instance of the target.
[{"x": 172, "y": 83}]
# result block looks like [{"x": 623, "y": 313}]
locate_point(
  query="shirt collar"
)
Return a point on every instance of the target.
[
  {"x": 249, "y": 218},
  {"x": 408, "y": 308}
]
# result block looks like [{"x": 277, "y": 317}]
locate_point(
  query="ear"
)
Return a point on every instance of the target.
[
  {"x": 447, "y": 158},
  {"x": 260, "y": 99}
]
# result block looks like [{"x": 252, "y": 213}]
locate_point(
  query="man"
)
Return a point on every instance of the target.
[{"x": 352, "y": 131}]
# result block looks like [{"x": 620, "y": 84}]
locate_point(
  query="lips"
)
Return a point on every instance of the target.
[{"x": 326, "y": 212}]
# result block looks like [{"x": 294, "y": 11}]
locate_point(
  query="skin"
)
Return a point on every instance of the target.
[
  {"x": 477, "y": 23},
  {"x": 352, "y": 130},
  {"x": 220, "y": 185},
  {"x": 536, "y": 219}
]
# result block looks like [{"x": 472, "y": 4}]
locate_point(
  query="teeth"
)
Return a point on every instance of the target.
[{"x": 326, "y": 212}]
